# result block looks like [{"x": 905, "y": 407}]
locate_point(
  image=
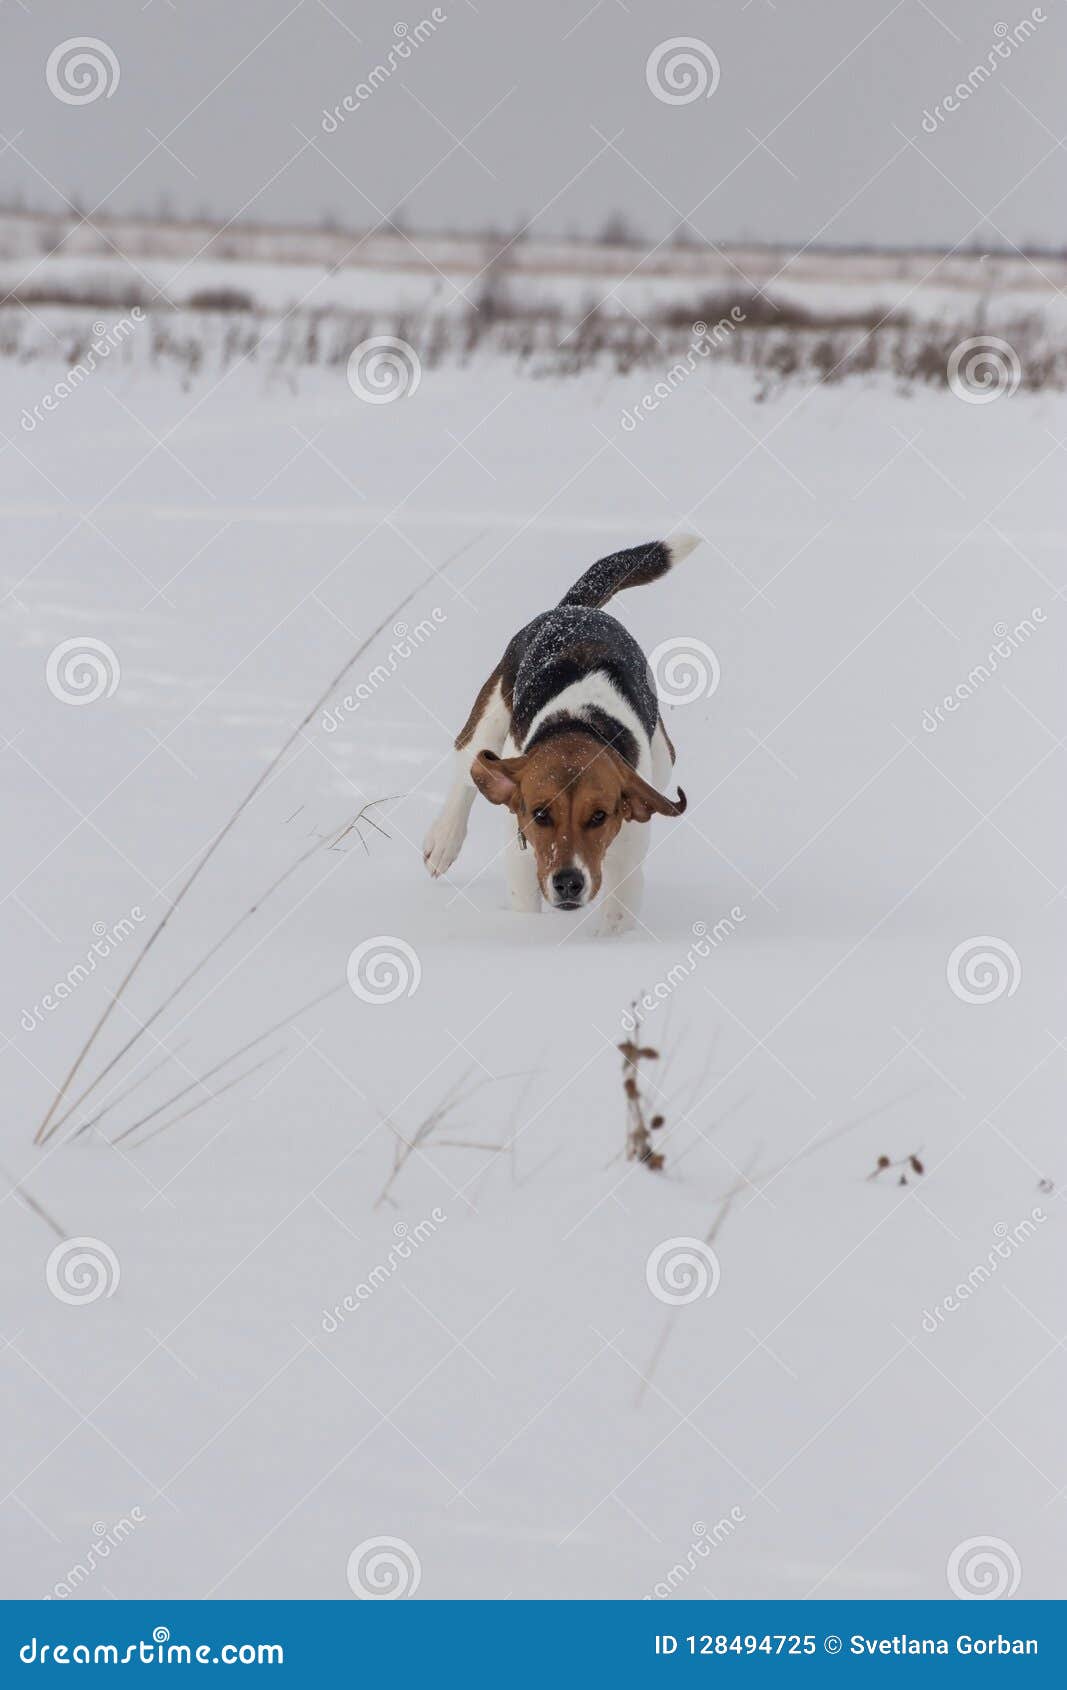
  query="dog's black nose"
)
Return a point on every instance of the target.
[{"x": 568, "y": 885}]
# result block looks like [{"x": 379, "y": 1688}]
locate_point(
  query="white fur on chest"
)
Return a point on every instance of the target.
[{"x": 595, "y": 691}]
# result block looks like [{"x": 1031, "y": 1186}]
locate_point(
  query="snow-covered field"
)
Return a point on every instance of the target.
[
  {"x": 506, "y": 1394},
  {"x": 385, "y": 271},
  {"x": 426, "y": 288}
]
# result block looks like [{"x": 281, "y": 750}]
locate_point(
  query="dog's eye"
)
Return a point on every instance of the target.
[
  {"x": 597, "y": 819},
  {"x": 543, "y": 818}
]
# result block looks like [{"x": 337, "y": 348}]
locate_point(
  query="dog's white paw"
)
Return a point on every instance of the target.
[
  {"x": 443, "y": 843},
  {"x": 614, "y": 919}
]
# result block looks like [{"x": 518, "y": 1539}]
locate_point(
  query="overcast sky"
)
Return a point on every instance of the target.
[{"x": 542, "y": 110}]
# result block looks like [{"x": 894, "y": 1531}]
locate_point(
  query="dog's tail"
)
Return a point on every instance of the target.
[{"x": 633, "y": 568}]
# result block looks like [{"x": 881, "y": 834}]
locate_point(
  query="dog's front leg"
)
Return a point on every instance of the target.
[
  {"x": 523, "y": 891},
  {"x": 624, "y": 880},
  {"x": 486, "y": 729}
]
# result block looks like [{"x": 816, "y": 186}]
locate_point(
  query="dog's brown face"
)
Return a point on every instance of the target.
[{"x": 570, "y": 796}]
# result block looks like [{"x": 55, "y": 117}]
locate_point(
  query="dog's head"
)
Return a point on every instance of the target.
[{"x": 570, "y": 796}]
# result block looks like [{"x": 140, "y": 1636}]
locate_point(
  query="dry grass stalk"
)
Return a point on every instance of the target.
[
  {"x": 405, "y": 1148},
  {"x": 121, "y": 1096},
  {"x": 332, "y": 843},
  {"x": 718, "y": 1222},
  {"x": 204, "y": 1101},
  {"x": 468, "y": 1144},
  {"x": 286, "y": 1021},
  {"x": 640, "y": 1124},
  {"x": 227, "y": 828},
  {"x": 30, "y": 1202},
  {"x": 767, "y": 1179}
]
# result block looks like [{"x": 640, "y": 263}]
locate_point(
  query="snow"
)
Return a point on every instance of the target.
[{"x": 513, "y": 1402}]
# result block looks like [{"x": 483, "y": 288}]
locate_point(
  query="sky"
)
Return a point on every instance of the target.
[{"x": 804, "y": 121}]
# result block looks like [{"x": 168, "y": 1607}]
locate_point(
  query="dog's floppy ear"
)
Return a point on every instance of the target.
[
  {"x": 497, "y": 778},
  {"x": 641, "y": 801}
]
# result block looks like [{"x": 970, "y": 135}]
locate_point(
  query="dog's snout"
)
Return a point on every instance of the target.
[{"x": 568, "y": 884}]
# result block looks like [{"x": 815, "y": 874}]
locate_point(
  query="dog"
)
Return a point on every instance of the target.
[{"x": 566, "y": 734}]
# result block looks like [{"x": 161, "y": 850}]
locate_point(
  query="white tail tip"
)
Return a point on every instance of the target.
[{"x": 680, "y": 545}]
